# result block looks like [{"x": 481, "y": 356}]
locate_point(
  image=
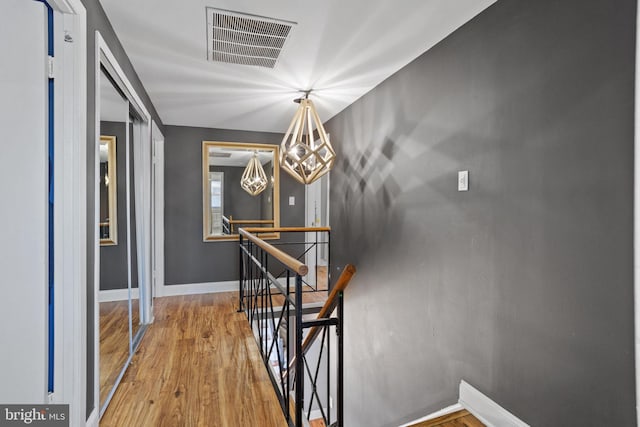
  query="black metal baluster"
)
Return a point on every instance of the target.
[
  {"x": 299, "y": 358},
  {"x": 328, "y": 421},
  {"x": 288, "y": 359},
  {"x": 328, "y": 261},
  {"x": 340, "y": 360},
  {"x": 240, "y": 275}
]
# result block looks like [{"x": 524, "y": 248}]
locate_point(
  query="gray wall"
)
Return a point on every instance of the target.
[
  {"x": 97, "y": 20},
  {"x": 187, "y": 258},
  {"x": 522, "y": 286}
]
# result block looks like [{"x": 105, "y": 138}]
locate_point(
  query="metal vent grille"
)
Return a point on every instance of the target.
[{"x": 239, "y": 38}]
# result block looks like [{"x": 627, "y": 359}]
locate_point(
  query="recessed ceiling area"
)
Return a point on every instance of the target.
[{"x": 340, "y": 49}]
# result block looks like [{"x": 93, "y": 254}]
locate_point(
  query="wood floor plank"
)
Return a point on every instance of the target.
[
  {"x": 457, "y": 419},
  {"x": 198, "y": 365}
]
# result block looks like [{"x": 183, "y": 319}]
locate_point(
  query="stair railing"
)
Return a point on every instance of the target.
[{"x": 279, "y": 319}]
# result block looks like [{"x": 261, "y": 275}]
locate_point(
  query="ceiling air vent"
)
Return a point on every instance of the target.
[{"x": 239, "y": 38}]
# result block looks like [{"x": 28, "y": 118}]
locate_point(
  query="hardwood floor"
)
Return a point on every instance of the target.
[
  {"x": 198, "y": 365},
  {"x": 457, "y": 419}
]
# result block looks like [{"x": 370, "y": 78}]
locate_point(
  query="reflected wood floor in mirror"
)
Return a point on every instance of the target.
[
  {"x": 114, "y": 341},
  {"x": 198, "y": 365}
]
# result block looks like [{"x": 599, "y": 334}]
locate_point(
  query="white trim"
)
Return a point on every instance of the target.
[
  {"x": 112, "y": 295},
  {"x": 96, "y": 234},
  {"x": 94, "y": 418},
  {"x": 199, "y": 288},
  {"x": 485, "y": 409},
  {"x": 105, "y": 57},
  {"x": 444, "y": 411},
  {"x": 157, "y": 206},
  {"x": 70, "y": 249},
  {"x": 67, "y": 6},
  {"x": 636, "y": 220}
]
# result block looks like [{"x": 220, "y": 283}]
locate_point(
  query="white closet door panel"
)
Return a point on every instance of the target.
[{"x": 24, "y": 196}]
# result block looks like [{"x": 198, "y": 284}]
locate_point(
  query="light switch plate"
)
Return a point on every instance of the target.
[
  {"x": 463, "y": 180},
  {"x": 292, "y": 200}
]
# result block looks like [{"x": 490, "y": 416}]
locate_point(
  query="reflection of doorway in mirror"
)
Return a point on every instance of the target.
[
  {"x": 216, "y": 185},
  {"x": 317, "y": 215}
]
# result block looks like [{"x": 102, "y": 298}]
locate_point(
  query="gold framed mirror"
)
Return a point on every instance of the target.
[
  {"x": 108, "y": 185},
  {"x": 228, "y": 201}
]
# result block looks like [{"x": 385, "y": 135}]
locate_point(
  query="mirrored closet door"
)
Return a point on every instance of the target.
[
  {"x": 122, "y": 194},
  {"x": 114, "y": 232}
]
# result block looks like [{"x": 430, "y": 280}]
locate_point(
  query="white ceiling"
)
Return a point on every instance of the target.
[{"x": 340, "y": 48}]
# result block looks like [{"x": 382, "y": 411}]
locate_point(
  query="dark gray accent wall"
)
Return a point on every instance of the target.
[
  {"x": 522, "y": 286},
  {"x": 97, "y": 20},
  {"x": 187, "y": 258}
]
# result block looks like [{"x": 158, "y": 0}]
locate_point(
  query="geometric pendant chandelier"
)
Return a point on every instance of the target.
[
  {"x": 302, "y": 155},
  {"x": 254, "y": 180}
]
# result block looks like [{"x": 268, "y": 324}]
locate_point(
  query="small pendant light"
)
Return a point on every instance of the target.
[{"x": 254, "y": 180}]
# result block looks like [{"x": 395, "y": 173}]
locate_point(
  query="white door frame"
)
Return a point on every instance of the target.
[
  {"x": 157, "y": 213},
  {"x": 311, "y": 200},
  {"x": 70, "y": 250},
  {"x": 313, "y": 196},
  {"x": 636, "y": 220}
]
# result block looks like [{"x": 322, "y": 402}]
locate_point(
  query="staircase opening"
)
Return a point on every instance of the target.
[{"x": 297, "y": 321}]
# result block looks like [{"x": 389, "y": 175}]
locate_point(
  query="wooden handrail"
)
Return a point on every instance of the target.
[
  {"x": 290, "y": 262},
  {"x": 285, "y": 229},
  {"x": 327, "y": 308},
  {"x": 330, "y": 304}
]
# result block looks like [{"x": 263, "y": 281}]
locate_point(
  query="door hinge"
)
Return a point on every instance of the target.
[{"x": 50, "y": 67}]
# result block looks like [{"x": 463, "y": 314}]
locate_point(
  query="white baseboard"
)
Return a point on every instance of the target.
[
  {"x": 93, "y": 419},
  {"x": 444, "y": 411},
  {"x": 117, "y": 295},
  {"x": 198, "y": 288},
  {"x": 171, "y": 290},
  {"x": 485, "y": 409}
]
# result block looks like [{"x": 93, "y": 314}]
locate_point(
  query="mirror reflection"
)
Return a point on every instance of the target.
[
  {"x": 114, "y": 311},
  {"x": 108, "y": 186},
  {"x": 240, "y": 188}
]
